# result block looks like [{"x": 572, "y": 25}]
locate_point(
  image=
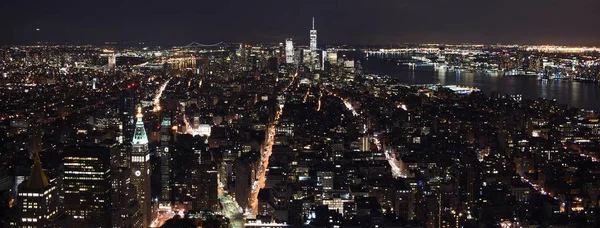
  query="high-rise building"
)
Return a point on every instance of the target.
[
  {"x": 314, "y": 56},
  {"x": 404, "y": 203},
  {"x": 325, "y": 180},
  {"x": 94, "y": 81},
  {"x": 324, "y": 184},
  {"x": 112, "y": 62},
  {"x": 164, "y": 153},
  {"x": 37, "y": 204},
  {"x": 127, "y": 110},
  {"x": 204, "y": 186},
  {"x": 307, "y": 57},
  {"x": 433, "y": 209},
  {"x": 289, "y": 51},
  {"x": 87, "y": 184},
  {"x": 332, "y": 58},
  {"x": 140, "y": 167},
  {"x": 365, "y": 144},
  {"x": 6, "y": 184},
  {"x": 313, "y": 37},
  {"x": 321, "y": 63},
  {"x": 244, "y": 169},
  {"x": 125, "y": 207}
]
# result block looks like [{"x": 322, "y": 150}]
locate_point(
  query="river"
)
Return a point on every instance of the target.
[{"x": 575, "y": 94}]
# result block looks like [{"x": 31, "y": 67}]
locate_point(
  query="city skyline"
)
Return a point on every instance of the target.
[
  {"x": 291, "y": 131},
  {"x": 356, "y": 22}
]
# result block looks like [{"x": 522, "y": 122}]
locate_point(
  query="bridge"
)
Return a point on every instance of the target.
[
  {"x": 203, "y": 48},
  {"x": 196, "y": 44}
]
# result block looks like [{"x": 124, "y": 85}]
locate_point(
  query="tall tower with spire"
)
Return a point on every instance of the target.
[
  {"x": 313, "y": 37},
  {"x": 314, "y": 60},
  {"x": 140, "y": 167},
  {"x": 38, "y": 199}
]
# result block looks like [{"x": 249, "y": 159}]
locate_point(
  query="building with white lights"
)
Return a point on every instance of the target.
[
  {"x": 38, "y": 201},
  {"x": 140, "y": 167},
  {"x": 313, "y": 37},
  {"x": 164, "y": 153},
  {"x": 289, "y": 51},
  {"x": 87, "y": 184}
]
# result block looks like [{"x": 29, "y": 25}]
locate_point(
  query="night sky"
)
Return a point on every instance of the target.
[{"x": 176, "y": 22}]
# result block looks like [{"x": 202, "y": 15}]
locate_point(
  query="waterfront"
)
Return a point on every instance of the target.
[{"x": 576, "y": 94}]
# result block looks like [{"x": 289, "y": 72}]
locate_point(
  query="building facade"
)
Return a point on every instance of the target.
[
  {"x": 140, "y": 167},
  {"x": 289, "y": 51},
  {"x": 87, "y": 184},
  {"x": 38, "y": 201}
]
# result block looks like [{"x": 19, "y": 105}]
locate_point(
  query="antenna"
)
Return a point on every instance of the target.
[{"x": 313, "y": 23}]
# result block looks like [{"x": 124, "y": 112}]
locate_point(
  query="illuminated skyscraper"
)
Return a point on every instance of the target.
[
  {"x": 94, "y": 81},
  {"x": 87, "y": 184},
  {"x": 165, "y": 155},
  {"x": 112, "y": 62},
  {"x": 313, "y": 37},
  {"x": 37, "y": 204},
  {"x": 140, "y": 167},
  {"x": 365, "y": 144},
  {"x": 289, "y": 51},
  {"x": 315, "y": 57}
]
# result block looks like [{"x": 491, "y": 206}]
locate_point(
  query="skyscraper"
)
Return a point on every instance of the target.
[
  {"x": 87, "y": 184},
  {"x": 38, "y": 199},
  {"x": 204, "y": 186},
  {"x": 125, "y": 207},
  {"x": 165, "y": 155},
  {"x": 314, "y": 59},
  {"x": 244, "y": 169},
  {"x": 127, "y": 109},
  {"x": 140, "y": 167},
  {"x": 289, "y": 51},
  {"x": 94, "y": 81},
  {"x": 365, "y": 144},
  {"x": 313, "y": 37},
  {"x": 112, "y": 62}
]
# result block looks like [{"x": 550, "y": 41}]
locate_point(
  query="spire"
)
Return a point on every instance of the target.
[
  {"x": 139, "y": 135},
  {"x": 37, "y": 177},
  {"x": 313, "y": 28}
]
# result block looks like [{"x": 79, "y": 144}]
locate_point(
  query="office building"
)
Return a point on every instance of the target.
[
  {"x": 140, "y": 167},
  {"x": 164, "y": 153},
  {"x": 112, "y": 62},
  {"x": 87, "y": 184},
  {"x": 204, "y": 187},
  {"x": 244, "y": 169},
  {"x": 125, "y": 207},
  {"x": 38, "y": 201},
  {"x": 365, "y": 144},
  {"x": 289, "y": 51},
  {"x": 332, "y": 58},
  {"x": 127, "y": 110}
]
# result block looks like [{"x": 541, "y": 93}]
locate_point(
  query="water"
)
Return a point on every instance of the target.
[{"x": 575, "y": 94}]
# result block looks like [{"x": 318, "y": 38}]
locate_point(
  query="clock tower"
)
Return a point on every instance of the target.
[{"x": 140, "y": 167}]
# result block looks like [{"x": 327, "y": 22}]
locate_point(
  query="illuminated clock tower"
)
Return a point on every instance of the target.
[{"x": 140, "y": 167}]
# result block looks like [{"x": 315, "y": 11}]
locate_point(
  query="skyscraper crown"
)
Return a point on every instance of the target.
[
  {"x": 37, "y": 177},
  {"x": 139, "y": 135}
]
